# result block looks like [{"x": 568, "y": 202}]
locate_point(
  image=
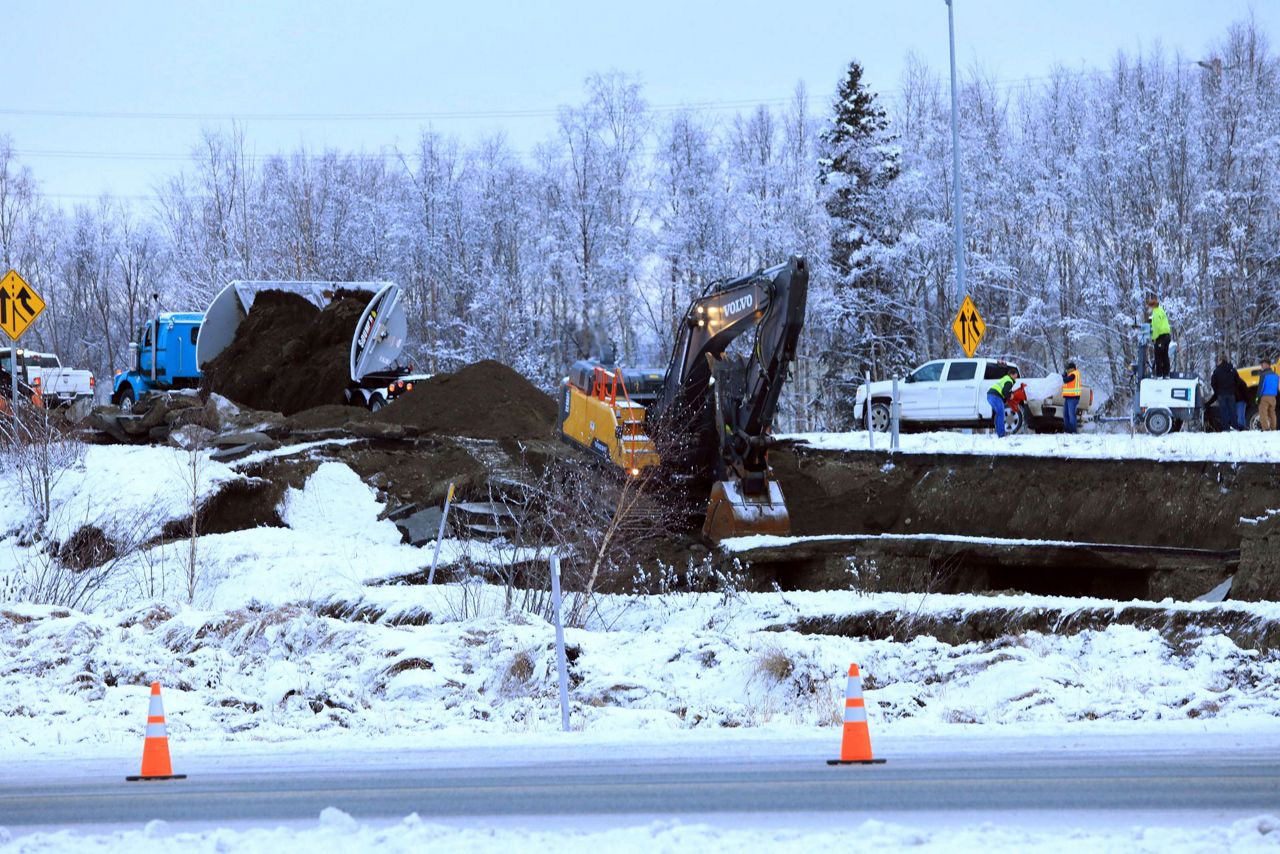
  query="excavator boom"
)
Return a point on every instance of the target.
[
  {"x": 709, "y": 422},
  {"x": 717, "y": 411}
]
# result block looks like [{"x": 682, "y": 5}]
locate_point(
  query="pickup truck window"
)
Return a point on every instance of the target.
[
  {"x": 995, "y": 370},
  {"x": 962, "y": 371},
  {"x": 929, "y": 373}
]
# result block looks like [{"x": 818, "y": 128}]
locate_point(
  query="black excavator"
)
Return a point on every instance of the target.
[{"x": 708, "y": 419}]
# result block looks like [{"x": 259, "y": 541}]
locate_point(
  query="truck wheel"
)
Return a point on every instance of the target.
[
  {"x": 125, "y": 398},
  {"x": 376, "y": 402},
  {"x": 1015, "y": 420},
  {"x": 1253, "y": 419},
  {"x": 881, "y": 417},
  {"x": 1159, "y": 421}
]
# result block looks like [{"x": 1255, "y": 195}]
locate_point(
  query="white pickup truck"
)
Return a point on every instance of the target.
[
  {"x": 953, "y": 393},
  {"x": 57, "y": 385}
]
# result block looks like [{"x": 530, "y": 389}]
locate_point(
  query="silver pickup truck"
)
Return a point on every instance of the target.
[
  {"x": 58, "y": 386},
  {"x": 953, "y": 393}
]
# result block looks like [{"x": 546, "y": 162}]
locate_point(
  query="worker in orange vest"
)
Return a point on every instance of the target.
[{"x": 1072, "y": 385}]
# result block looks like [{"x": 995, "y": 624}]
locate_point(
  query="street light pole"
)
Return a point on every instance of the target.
[{"x": 957, "y": 209}]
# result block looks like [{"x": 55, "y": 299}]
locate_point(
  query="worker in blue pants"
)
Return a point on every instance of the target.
[{"x": 998, "y": 394}]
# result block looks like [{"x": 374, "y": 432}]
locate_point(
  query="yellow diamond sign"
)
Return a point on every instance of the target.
[
  {"x": 19, "y": 305},
  {"x": 968, "y": 327}
]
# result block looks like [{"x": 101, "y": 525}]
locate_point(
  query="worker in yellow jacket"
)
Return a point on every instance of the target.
[
  {"x": 1161, "y": 335},
  {"x": 1072, "y": 385}
]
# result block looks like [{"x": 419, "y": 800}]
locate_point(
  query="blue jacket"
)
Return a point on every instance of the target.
[{"x": 1269, "y": 384}]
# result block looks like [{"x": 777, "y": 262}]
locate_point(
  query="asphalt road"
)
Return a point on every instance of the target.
[{"x": 599, "y": 788}]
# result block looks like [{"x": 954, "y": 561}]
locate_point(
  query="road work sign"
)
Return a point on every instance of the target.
[
  {"x": 968, "y": 327},
  {"x": 19, "y": 305}
]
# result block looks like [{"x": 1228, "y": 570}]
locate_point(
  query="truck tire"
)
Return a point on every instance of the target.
[
  {"x": 376, "y": 402},
  {"x": 1015, "y": 421},
  {"x": 1253, "y": 419},
  {"x": 881, "y": 416},
  {"x": 125, "y": 398},
  {"x": 1158, "y": 421}
]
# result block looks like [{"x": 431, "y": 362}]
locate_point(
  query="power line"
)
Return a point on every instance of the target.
[{"x": 538, "y": 112}]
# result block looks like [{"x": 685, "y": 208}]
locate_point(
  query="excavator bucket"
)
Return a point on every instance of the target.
[{"x": 733, "y": 513}]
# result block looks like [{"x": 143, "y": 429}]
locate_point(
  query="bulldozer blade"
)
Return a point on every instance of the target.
[{"x": 732, "y": 513}]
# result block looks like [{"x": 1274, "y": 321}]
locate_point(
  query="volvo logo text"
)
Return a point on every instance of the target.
[{"x": 740, "y": 304}]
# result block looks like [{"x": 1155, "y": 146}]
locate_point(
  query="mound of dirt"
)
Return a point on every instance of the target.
[
  {"x": 486, "y": 400},
  {"x": 288, "y": 355}
]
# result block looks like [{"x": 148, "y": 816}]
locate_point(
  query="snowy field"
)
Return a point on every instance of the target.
[
  {"x": 1213, "y": 447},
  {"x": 337, "y": 831},
  {"x": 256, "y": 658}
]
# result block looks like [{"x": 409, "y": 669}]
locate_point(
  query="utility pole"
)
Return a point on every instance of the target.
[{"x": 957, "y": 206}]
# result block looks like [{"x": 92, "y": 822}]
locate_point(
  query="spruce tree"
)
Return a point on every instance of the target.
[{"x": 858, "y": 162}]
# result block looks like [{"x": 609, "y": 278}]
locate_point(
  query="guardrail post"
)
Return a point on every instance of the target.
[
  {"x": 561, "y": 665},
  {"x": 444, "y": 517},
  {"x": 871, "y": 434},
  {"x": 893, "y": 418}
]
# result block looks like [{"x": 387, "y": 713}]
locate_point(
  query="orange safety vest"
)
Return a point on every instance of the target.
[{"x": 1072, "y": 387}]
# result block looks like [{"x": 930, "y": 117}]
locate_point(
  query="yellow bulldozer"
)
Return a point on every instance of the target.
[{"x": 708, "y": 417}]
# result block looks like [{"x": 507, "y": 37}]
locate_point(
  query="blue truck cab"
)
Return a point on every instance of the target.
[{"x": 162, "y": 357}]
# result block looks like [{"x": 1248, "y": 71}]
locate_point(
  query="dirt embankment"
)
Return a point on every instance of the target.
[
  {"x": 288, "y": 355},
  {"x": 1172, "y": 503},
  {"x": 486, "y": 400}
]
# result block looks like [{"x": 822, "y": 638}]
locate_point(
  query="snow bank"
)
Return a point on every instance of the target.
[
  {"x": 1214, "y": 447},
  {"x": 336, "y": 831},
  {"x": 120, "y": 488},
  {"x": 293, "y": 674}
]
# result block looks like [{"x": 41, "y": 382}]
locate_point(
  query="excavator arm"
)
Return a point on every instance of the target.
[{"x": 716, "y": 411}]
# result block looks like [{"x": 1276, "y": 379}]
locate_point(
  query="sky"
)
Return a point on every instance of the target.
[{"x": 111, "y": 97}]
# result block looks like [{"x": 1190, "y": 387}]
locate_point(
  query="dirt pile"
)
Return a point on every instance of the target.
[
  {"x": 486, "y": 400},
  {"x": 288, "y": 355}
]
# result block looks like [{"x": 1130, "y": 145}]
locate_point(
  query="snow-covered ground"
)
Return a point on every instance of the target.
[
  {"x": 334, "y": 830},
  {"x": 1214, "y": 447},
  {"x": 291, "y": 641}
]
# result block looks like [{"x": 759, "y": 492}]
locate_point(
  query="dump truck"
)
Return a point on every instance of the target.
[
  {"x": 172, "y": 349},
  {"x": 708, "y": 417}
]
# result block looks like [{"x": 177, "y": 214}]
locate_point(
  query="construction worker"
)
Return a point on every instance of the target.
[
  {"x": 1160, "y": 337},
  {"x": 1224, "y": 381},
  {"x": 1072, "y": 385},
  {"x": 998, "y": 394},
  {"x": 1268, "y": 387}
]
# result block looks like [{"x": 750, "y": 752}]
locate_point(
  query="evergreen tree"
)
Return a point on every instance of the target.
[{"x": 858, "y": 162}]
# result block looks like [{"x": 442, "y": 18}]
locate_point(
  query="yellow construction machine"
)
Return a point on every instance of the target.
[{"x": 708, "y": 418}]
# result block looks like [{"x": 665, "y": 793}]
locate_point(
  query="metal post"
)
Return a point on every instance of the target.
[
  {"x": 871, "y": 434},
  {"x": 155, "y": 334},
  {"x": 893, "y": 420},
  {"x": 561, "y": 664},
  {"x": 444, "y": 517},
  {"x": 958, "y": 203},
  {"x": 13, "y": 378}
]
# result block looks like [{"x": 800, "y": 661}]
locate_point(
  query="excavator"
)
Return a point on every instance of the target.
[{"x": 708, "y": 418}]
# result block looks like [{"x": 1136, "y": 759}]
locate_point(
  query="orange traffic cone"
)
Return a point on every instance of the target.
[
  {"x": 155, "y": 748},
  {"x": 855, "y": 749}
]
